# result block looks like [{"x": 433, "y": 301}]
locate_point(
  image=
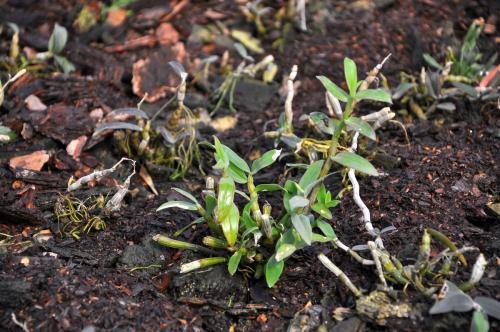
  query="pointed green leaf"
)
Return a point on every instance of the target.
[
  {"x": 297, "y": 202},
  {"x": 226, "y": 197},
  {"x": 374, "y": 94},
  {"x": 220, "y": 155},
  {"x": 236, "y": 160},
  {"x": 284, "y": 251},
  {"x": 333, "y": 89},
  {"x": 311, "y": 174},
  {"x": 268, "y": 187},
  {"x": 326, "y": 229},
  {"x": 431, "y": 61},
  {"x": 234, "y": 261},
  {"x": 489, "y": 305},
  {"x": 237, "y": 174},
  {"x": 352, "y": 160},
  {"x": 265, "y": 160},
  {"x": 322, "y": 210},
  {"x": 58, "y": 39},
  {"x": 351, "y": 75},
  {"x": 230, "y": 225},
  {"x": 303, "y": 227},
  {"x": 479, "y": 322},
  {"x": 273, "y": 271},
  {"x": 186, "y": 194},
  {"x": 178, "y": 204},
  {"x": 361, "y": 126},
  {"x": 64, "y": 64}
]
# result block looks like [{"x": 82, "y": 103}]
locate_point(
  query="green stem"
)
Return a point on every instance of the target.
[{"x": 332, "y": 151}]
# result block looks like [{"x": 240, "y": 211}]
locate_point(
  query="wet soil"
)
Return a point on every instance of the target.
[{"x": 443, "y": 179}]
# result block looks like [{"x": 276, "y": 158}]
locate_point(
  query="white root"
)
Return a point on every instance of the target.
[
  {"x": 339, "y": 274},
  {"x": 376, "y": 259},
  {"x": 95, "y": 175},
  {"x": 115, "y": 202},
  {"x": 355, "y": 188},
  {"x": 379, "y": 118},
  {"x": 301, "y": 11},
  {"x": 353, "y": 254},
  {"x": 289, "y": 99}
]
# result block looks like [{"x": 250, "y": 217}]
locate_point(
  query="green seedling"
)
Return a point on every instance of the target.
[
  {"x": 465, "y": 61},
  {"x": 266, "y": 67},
  {"x": 254, "y": 11},
  {"x": 173, "y": 143},
  {"x": 452, "y": 299},
  {"x": 56, "y": 45},
  {"x": 253, "y": 239},
  {"x": 438, "y": 89}
]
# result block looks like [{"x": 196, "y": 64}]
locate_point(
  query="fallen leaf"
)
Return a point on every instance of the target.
[
  {"x": 151, "y": 76},
  {"x": 33, "y": 161},
  {"x": 43, "y": 236},
  {"x": 224, "y": 123},
  {"x": 116, "y": 17},
  {"x": 75, "y": 147},
  {"x": 143, "y": 173},
  {"x": 166, "y": 34},
  {"x": 35, "y": 104}
]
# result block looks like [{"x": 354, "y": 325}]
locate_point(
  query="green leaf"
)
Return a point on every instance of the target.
[
  {"x": 352, "y": 160},
  {"x": 361, "y": 126},
  {"x": 220, "y": 155},
  {"x": 466, "y": 88},
  {"x": 210, "y": 204},
  {"x": 64, "y": 64},
  {"x": 351, "y": 75},
  {"x": 479, "y": 322},
  {"x": 178, "y": 204},
  {"x": 236, "y": 160},
  {"x": 402, "y": 89},
  {"x": 374, "y": 94},
  {"x": 268, "y": 187},
  {"x": 311, "y": 174},
  {"x": 225, "y": 198},
  {"x": 265, "y": 160},
  {"x": 237, "y": 174},
  {"x": 326, "y": 229},
  {"x": 284, "y": 251},
  {"x": 303, "y": 227},
  {"x": 186, "y": 194},
  {"x": 333, "y": 89},
  {"x": 273, "y": 271},
  {"x": 297, "y": 202},
  {"x": 489, "y": 305},
  {"x": 6, "y": 134},
  {"x": 58, "y": 39},
  {"x": 322, "y": 210},
  {"x": 230, "y": 225},
  {"x": 432, "y": 62},
  {"x": 234, "y": 261}
]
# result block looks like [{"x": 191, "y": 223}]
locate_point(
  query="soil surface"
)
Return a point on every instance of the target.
[{"x": 442, "y": 179}]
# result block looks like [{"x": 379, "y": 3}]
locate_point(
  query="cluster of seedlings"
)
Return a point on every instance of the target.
[{"x": 254, "y": 237}]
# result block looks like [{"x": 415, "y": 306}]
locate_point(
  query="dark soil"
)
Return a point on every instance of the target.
[{"x": 443, "y": 179}]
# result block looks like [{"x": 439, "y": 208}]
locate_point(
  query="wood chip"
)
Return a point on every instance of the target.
[
  {"x": 35, "y": 104},
  {"x": 75, "y": 147},
  {"x": 33, "y": 161},
  {"x": 166, "y": 34}
]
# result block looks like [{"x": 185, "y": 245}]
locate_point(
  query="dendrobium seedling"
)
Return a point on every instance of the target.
[
  {"x": 249, "y": 234},
  {"x": 57, "y": 42},
  {"x": 452, "y": 299},
  {"x": 173, "y": 143}
]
